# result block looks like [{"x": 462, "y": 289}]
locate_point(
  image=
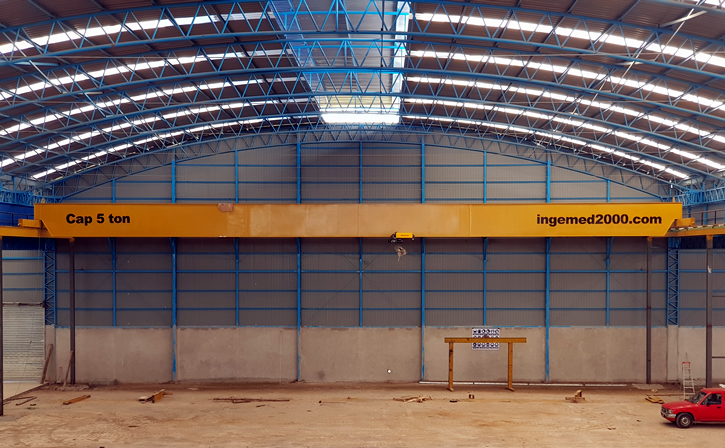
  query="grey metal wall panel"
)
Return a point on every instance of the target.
[
  {"x": 330, "y": 318},
  {"x": 393, "y": 282},
  {"x": 438, "y": 155},
  {"x": 332, "y": 173},
  {"x": 453, "y": 245},
  {"x": 268, "y": 245},
  {"x": 628, "y": 318},
  {"x": 518, "y": 281},
  {"x": 383, "y": 193},
  {"x": 195, "y": 172},
  {"x": 93, "y": 318},
  {"x": 90, "y": 281},
  {"x": 271, "y": 155},
  {"x": 384, "y": 318},
  {"x": 693, "y": 259},
  {"x": 391, "y": 174},
  {"x": 143, "y": 261},
  {"x": 330, "y": 281},
  {"x": 572, "y": 246},
  {"x": 149, "y": 318},
  {"x": 196, "y": 299},
  {"x": 454, "y": 281},
  {"x": 265, "y": 281},
  {"x": 142, "y": 189},
  {"x": 693, "y": 280},
  {"x": 206, "y": 318},
  {"x": 262, "y": 262},
  {"x": 453, "y": 262},
  {"x": 571, "y": 318},
  {"x": 628, "y": 281},
  {"x": 207, "y": 281},
  {"x": 205, "y": 262},
  {"x": 454, "y": 192},
  {"x": 205, "y": 246},
  {"x": 454, "y": 174},
  {"x": 284, "y": 318},
  {"x": 99, "y": 194},
  {"x": 268, "y": 299},
  {"x": 568, "y": 299},
  {"x": 516, "y": 318},
  {"x": 213, "y": 192},
  {"x": 513, "y": 170},
  {"x": 579, "y": 191},
  {"x": 533, "y": 192},
  {"x": 498, "y": 261},
  {"x": 578, "y": 262},
  {"x": 628, "y": 299},
  {"x": 515, "y": 299},
  {"x": 618, "y": 192},
  {"x": 453, "y": 299},
  {"x": 451, "y": 318},
  {"x": 143, "y": 300},
  {"x": 342, "y": 192},
  {"x": 23, "y": 343},
  {"x": 331, "y": 300},
  {"x": 260, "y": 192},
  {"x": 389, "y": 261},
  {"x": 268, "y": 173},
  {"x": 385, "y": 154},
  {"x": 581, "y": 281},
  {"x": 528, "y": 246}
]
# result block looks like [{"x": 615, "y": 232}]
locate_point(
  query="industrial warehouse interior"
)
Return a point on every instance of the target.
[{"x": 316, "y": 223}]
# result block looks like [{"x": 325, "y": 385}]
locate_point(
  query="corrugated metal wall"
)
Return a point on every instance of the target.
[
  {"x": 364, "y": 172},
  {"x": 363, "y": 282},
  {"x": 24, "y": 316}
]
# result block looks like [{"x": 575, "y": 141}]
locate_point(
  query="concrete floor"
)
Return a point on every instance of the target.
[
  {"x": 347, "y": 415},
  {"x": 11, "y": 389}
]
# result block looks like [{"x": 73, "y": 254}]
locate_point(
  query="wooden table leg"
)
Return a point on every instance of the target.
[
  {"x": 511, "y": 367},
  {"x": 450, "y": 366}
]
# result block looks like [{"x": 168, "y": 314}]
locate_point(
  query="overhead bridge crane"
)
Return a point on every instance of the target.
[{"x": 650, "y": 220}]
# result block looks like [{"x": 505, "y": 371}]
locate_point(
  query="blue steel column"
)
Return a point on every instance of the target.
[
  {"x": 360, "y": 282},
  {"x": 299, "y": 173},
  {"x": 609, "y": 191},
  {"x": 610, "y": 241},
  {"x": 422, "y": 309},
  {"x": 236, "y": 280},
  {"x": 360, "y": 174},
  {"x": 548, "y": 311},
  {"x": 548, "y": 180},
  {"x": 173, "y": 308},
  {"x": 422, "y": 173},
  {"x": 49, "y": 255},
  {"x": 299, "y": 303},
  {"x": 673, "y": 281},
  {"x": 112, "y": 243},
  {"x": 236, "y": 178},
  {"x": 485, "y": 177},
  {"x": 113, "y": 191},
  {"x": 173, "y": 180},
  {"x": 485, "y": 263}
]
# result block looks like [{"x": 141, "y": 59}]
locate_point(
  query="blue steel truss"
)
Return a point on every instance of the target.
[
  {"x": 49, "y": 256},
  {"x": 673, "y": 281},
  {"x": 94, "y": 96}
]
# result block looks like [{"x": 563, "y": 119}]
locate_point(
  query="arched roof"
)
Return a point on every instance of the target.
[{"x": 636, "y": 84}]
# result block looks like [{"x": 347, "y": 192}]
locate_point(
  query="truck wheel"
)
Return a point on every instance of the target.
[{"x": 684, "y": 420}]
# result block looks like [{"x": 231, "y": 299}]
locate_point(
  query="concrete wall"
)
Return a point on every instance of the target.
[
  {"x": 241, "y": 354},
  {"x": 266, "y": 354}
]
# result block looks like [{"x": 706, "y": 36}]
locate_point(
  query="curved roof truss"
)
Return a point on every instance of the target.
[{"x": 632, "y": 83}]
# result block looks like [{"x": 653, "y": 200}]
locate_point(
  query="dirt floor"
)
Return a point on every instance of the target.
[{"x": 346, "y": 416}]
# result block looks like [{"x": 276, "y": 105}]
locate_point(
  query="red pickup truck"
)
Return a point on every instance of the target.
[{"x": 704, "y": 406}]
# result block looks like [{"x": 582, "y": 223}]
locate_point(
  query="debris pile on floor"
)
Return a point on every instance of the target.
[
  {"x": 247, "y": 400},
  {"x": 653, "y": 399},
  {"x": 413, "y": 398},
  {"x": 155, "y": 397},
  {"x": 27, "y": 399},
  {"x": 576, "y": 398}
]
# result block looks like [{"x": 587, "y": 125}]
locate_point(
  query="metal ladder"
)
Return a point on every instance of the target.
[{"x": 688, "y": 384}]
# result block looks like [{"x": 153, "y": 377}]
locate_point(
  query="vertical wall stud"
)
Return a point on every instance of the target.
[
  {"x": 72, "y": 281},
  {"x": 548, "y": 180},
  {"x": 610, "y": 241},
  {"x": 112, "y": 244},
  {"x": 360, "y": 281},
  {"x": 649, "y": 310},
  {"x": 173, "y": 308},
  {"x": 547, "y": 298},
  {"x": 708, "y": 314},
  {"x": 422, "y": 309},
  {"x": 299, "y": 304},
  {"x": 360, "y": 173},
  {"x": 485, "y": 267},
  {"x": 485, "y": 177},
  {"x": 236, "y": 281},
  {"x": 173, "y": 180},
  {"x": 236, "y": 177},
  {"x": 299, "y": 173},
  {"x": 422, "y": 172}
]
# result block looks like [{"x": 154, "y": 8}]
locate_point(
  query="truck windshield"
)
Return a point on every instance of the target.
[{"x": 697, "y": 397}]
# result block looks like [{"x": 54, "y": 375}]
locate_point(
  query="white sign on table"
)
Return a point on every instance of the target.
[{"x": 484, "y": 332}]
